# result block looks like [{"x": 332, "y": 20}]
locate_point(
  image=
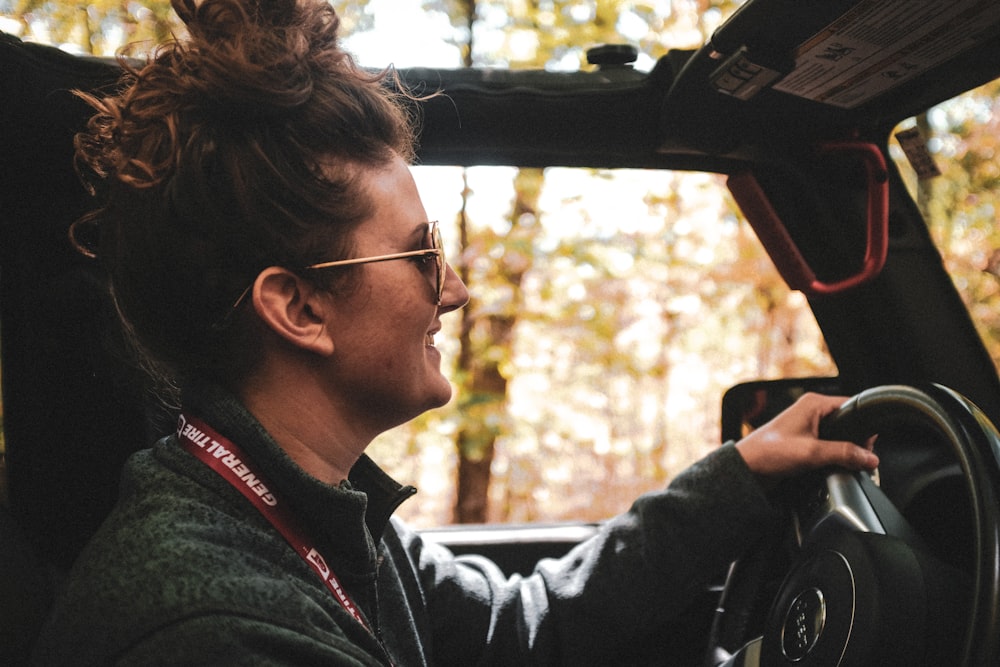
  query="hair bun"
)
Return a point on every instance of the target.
[{"x": 248, "y": 60}]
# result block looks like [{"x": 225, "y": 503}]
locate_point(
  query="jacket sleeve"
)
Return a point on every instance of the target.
[{"x": 611, "y": 593}]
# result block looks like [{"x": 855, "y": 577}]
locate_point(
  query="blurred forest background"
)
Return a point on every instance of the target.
[{"x": 610, "y": 310}]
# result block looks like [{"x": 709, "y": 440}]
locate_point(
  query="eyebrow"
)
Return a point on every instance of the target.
[
  {"x": 407, "y": 239},
  {"x": 420, "y": 231}
]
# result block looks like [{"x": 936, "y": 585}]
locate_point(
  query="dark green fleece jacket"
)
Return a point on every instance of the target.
[{"x": 185, "y": 571}]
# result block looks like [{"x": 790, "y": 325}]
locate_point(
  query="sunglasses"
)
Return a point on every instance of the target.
[{"x": 436, "y": 250}]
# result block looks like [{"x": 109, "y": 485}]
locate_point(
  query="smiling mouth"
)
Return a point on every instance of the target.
[{"x": 429, "y": 339}]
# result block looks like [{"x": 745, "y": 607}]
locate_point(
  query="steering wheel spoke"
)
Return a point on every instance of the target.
[
  {"x": 837, "y": 502},
  {"x": 843, "y": 500}
]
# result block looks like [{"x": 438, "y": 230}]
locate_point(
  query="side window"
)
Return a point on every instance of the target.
[
  {"x": 610, "y": 311},
  {"x": 953, "y": 173}
]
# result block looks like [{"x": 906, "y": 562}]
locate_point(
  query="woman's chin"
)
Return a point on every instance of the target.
[{"x": 440, "y": 394}]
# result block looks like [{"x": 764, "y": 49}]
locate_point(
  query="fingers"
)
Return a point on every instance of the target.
[
  {"x": 843, "y": 454},
  {"x": 784, "y": 458},
  {"x": 814, "y": 407},
  {"x": 789, "y": 443}
]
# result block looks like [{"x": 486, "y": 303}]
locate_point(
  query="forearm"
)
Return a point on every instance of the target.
[{"x": 643, "y": 568}]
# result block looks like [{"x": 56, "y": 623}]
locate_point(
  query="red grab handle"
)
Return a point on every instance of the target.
[{"x": 782, "y": 249}]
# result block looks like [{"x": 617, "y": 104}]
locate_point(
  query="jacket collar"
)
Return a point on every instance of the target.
[{"x": 346, "y": 520}]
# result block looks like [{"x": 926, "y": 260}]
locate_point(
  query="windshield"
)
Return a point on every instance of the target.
[{"x": 610, "y": 311}]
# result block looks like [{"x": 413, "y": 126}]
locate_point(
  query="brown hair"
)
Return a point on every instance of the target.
[{"x": 230, "y": 151}]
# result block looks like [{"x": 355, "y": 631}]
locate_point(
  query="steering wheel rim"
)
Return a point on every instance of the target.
[{"x": 975, "y": 445}]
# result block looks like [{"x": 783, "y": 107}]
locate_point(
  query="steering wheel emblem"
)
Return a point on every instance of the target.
[{"x": 803, "y": 625}]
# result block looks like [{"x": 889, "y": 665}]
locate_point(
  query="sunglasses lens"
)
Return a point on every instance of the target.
[{"x": 438, "y": 245}]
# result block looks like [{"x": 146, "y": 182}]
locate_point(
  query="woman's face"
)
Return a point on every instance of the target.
[{"x": 385, "y": 366}]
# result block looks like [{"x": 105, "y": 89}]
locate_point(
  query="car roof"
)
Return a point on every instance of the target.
[
  {"x": 687, "y": 112},
  {"x": 752, "y": 104}
]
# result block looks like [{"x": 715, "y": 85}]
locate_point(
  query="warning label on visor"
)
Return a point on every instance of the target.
[{"x": 880, "y": 44}]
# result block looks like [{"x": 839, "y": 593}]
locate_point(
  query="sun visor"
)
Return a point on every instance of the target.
[{"x": 844, "y": 64}]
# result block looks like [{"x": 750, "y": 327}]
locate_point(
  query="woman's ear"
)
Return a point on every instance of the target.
[{"x": 294, "y": 309}]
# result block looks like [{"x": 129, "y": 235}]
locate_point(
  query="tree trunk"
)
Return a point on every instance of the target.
[
  {"x": 472, "y": 501},
  {"x": 486, "y": 343},
  {"x": 482, "y": 409}
]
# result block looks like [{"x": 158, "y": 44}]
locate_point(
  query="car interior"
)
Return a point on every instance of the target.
[{"x": 794, "y": 102}]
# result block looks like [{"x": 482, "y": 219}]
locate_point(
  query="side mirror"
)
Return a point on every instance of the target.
[{"x": 750, "y": 404}]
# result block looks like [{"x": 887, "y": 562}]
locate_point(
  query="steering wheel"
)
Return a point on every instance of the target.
[{"x": 863, "y": 579}]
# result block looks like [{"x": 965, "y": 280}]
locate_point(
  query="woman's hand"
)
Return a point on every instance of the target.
[{"x": 789, "y": 443}]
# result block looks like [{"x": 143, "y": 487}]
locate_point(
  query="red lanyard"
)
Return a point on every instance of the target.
[{"x": 225, "y": 458}]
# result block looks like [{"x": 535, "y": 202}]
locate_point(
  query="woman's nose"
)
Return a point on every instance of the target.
[{"x": 455, "y": 294}]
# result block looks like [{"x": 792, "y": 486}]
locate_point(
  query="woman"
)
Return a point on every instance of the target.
[{"x": 270, "y": 255}]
